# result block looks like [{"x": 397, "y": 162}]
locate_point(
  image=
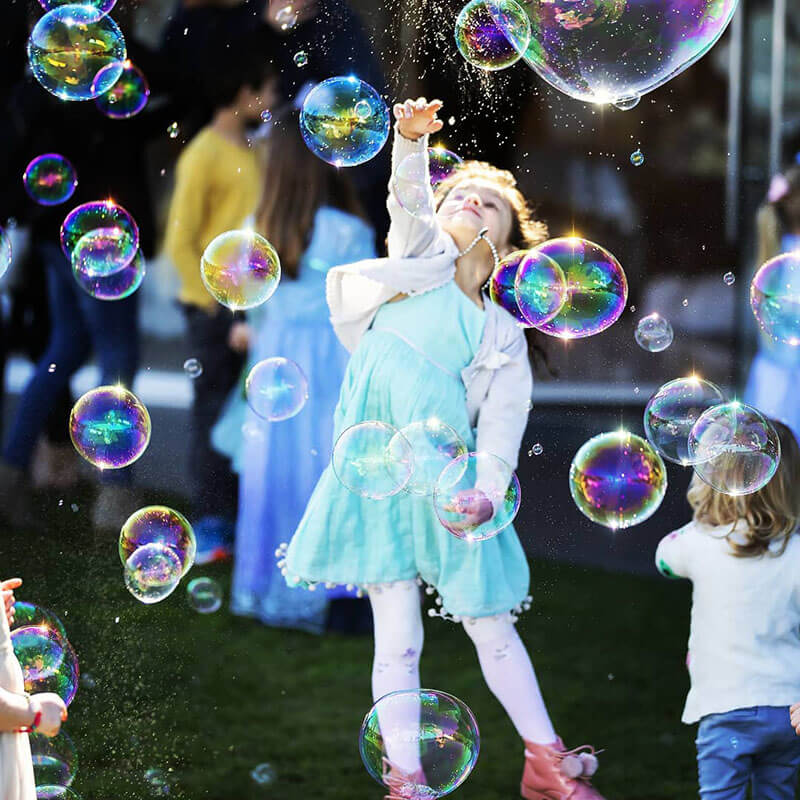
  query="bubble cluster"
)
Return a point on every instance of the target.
[
  {"x": 434, "y": 444},
  {"x": 55, "y": 760},
  {"x": 492, "y": 34},
  {"x": 205, "y": 595},
  {"x": 47, "y": 660},
  {"x": 240, "y": 269},
  {"x": 159, "y": 525},
  {"x": 109, "y": 427},
  {"x": 5, "y": 251},
  {"x": 597, "y": 288},
  {"x": 540, "y": 288},
  {"x": 442, "y": 726},
  {"x": 637, "y": 158},
  {"x": 673, "y": 410},
  {"x": 372, "y": 459},
  {"x": 654, "y": 333},
  {"x": 68, "y": 48},
  {"x": 476, "y": 496},
  {"x": 334, "y": 124},
  {"x": 127, "y": 96},
  {"x": 105, "y": 266},
  {"x": 276, "y": 389},
  {"x": 100, "y": 214},
  {"x": 152, "y": 573},
  {"x": 734, "y": 448},
  {"x": 50, "y": 179},
  {"x": 442, "y": 163},
  {"x": 617, "y": 479},
  {"x": 775, "y": 298}
]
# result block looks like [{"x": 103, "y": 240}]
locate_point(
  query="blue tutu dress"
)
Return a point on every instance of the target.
[
  {"x": 279, "y": 463},
  {"x": 405, "y": 369}
]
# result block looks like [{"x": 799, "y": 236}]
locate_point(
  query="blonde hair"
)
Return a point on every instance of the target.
[{"x": 771, "y": 514}]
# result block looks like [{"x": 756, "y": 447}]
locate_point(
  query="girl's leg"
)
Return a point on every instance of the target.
[
  {"x": 510, "y": 676},
  {"x": 398, "y": 644}
]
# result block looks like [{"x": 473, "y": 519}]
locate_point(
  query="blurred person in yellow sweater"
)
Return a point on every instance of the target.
[{"x": 217, "y": 185}]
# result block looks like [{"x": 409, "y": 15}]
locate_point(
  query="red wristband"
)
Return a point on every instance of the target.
[{"x": 36, "y": 721}]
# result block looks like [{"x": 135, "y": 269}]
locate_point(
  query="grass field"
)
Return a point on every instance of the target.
[{"x": 210, "y": 697}]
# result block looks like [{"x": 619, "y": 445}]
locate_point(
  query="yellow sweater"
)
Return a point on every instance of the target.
[{"x": 217, "y": 186}]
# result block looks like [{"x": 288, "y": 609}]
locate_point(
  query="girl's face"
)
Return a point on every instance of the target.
[{"x": 473, "y": 205}]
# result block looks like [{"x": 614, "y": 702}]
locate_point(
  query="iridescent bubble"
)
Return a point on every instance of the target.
[
  {"x": 152, "y": 573},
  {"x": 70, "y": 45},
  {"x": 127, "y": 96},
  {"x": 5, "y": 252},
  {"x": 266, "y": 115},
  {"x": 637, "y": 158},
  {"x": 103, "y": 6},
  {"x": 240, "y": 269},
  {"x": 442, "y": 163},
  {"x": 103, "y": 267},
  {"x": 673, "y": 410},
  {"x": 654, "y": 333},
  {"x": 109, "y": 427},
  {"x": 372, "y": 459},
  {"x": 157, "y": 781},
  {"x": 50, "y": 179},
  {"x": 27, "y": 615},
  {"x": 286, "y": 17},
  {"x": 439, "y": 724},
  {"x": 55, "y": 760},
  {"x": 55, "y": 793},
  {"x": 412, "y": 186},
  {"x": 617, "y": 479},
  {"x": 334, "y": 130},
  {"x": 492, "y": 34},
  {"x": 540, "y": 288},
  {"x": 98, "y": 214},
  {"x": 775, "y": 298},
  {"x": 193, "y": 368},
  {"x": 263, "y": 774},
  {"x": 501, "y": 285},
  {"x": 300, "y": 58},
  {"x": 205, "y": 595},
  {"x": 734, "y": 448},
  {"x": 159, "y": 525},
  {"x": 363, "y": 109},
  {"x": 48, "y": 662},
  {"x": 276, "y": 389},
  {"x": 729, "y": 279},
  {"x": 596, "y": 288},
  {"x": 434, "y": 444},
  {"x": 613, "y": 51},
  {"x": 476, "y": 496},
  {"x": 537, "y": 449},
  {"x": 173, "y": 130}
]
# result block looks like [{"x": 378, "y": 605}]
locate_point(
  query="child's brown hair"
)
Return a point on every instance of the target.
[{"x": 771, "y": 514}]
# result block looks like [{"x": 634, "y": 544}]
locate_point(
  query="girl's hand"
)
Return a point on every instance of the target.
[
  {"x": 7, "y": 598},
  {"x": 794, "y": 716},
  {"x": 473, "y": 506},
  {"x": 53, "y": 710},
  {"x": 415, "y": 118}
]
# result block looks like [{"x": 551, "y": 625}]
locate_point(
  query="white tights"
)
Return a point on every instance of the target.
[{"x": 505, "y": 663}]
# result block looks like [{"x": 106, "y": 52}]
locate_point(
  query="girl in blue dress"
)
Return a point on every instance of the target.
[
  {"x": 311, "y": 216},
  {"x": 427, "y": 343}
]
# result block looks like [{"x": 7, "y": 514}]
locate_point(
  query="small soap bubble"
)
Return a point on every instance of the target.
[
  {"x": 96, "y": 215},
  {"x": 492, "y": 34},
  {"x": 50, "y": 179},
  {"x": 729, "y": 279},
  {"x": 363, "y": 109},
  {"x": 47, "y": 660},
  {"x": 74, "y": 507},
  {"x": 276, "y": 389},
  {"x": 537, "y": 449},
  {"x": 55, "y": 760},
  {"x": 266, "y": 115},
  {"x": 205, "y": 595},
  {"x": 152, "y": 573},
  {"x": 157, "y": 781},
  {"x": 451, "y": 121},
  {"x": 158, "y": 525},
  {"x": 442, "y": 163},
  {"x": 88, "y": 681},
  {"x": 434, "y": 445},
  {"x": 286, "y": 17},
  {"x": 685, "y": 302},
  {"x": 172, "y": 130},
  {"x": 654, "y": 333},
  {"x": 300, "y": 58},
  {"x": 127, "y": 96},
  {"x": 263, "y": 774},
  {"x": 637, "y": 158},
  {"x": 51, "y": 368},
  {"x": 636, "y": 390},
  {"x": 193, "y": 368}
]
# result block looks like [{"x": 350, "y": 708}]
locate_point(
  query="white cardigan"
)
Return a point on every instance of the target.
[{"x": 422, "y": 257}]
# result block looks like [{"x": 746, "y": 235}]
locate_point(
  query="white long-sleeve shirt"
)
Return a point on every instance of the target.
[{"x": 744, "y": 639}]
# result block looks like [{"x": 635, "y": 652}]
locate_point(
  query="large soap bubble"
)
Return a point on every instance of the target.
[
  {"x": 100, "y": 214},
  {"x": 617, "y": 479},
  {"x": 442, "y": 726},
  {"x": 344, "y": 121},
  {"x": 152, "y": 573},
  {"x": 50, "y": 179},
  {"x": 103, "y": 266},
  {"x": 434, "y": 445},
  {"x": 734, "y": 448},
  {"x": 614, "y": 51},
  {"x": 55, "y": 760},
  {"x": 540, "y": 288},
  {"x": 673, "y": 410},
  {"x": 128, "y": 96},
  {"x": 48, "y": 662},
  {"x": 775, "y": 298},
  {"x": 492, "y": 34},
  {"x": 28, "y": 615},
  {"x": 442, "y": 163},
  {"x": 158, "y": 525},
  {"x": 70, "y": 45},
  {"x": 276, "y": 389}
]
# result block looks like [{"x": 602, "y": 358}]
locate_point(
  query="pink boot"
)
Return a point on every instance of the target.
[
  {"x": 554, "y": 773},
  {"x": 404, "y": 785}
]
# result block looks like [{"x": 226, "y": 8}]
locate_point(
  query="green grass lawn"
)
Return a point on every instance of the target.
[{"x": 210, "y": 697}]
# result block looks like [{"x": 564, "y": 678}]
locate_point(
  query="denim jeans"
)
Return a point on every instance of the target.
[{"x": 748, "y": 746}]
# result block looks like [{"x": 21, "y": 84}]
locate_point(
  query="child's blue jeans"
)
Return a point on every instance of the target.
[{"x": 748, "y": 745}]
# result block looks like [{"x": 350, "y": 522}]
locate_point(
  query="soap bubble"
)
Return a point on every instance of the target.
[
  {"x": 159, "y": 525},
  {"x": 537, "y": 449},
  {"x": 654, "y": 333},
  {"x": 266, "y": 115},
  {"x": 103, "y": 267},
  {"x": 109, "y": 427},
  {"x": 596, "y": 288},
  {"x": 501, "y": 285},
  {"x": 300, "y": 58},
  {"x": 205, "y": 595},
  {"x": 673, "y": 410},
  {"x": 492, "y": 34},
  {"x": 611, "y": 51},
  {"x": 55, "y": 793},
  {"x": 263, "y": 774},
  {"x": 476, "y": 496},
  {"x": 240, "y": 269},
  {"x": 775, "y": 298},
  {"x": 434, "y": 444},
  {"x": 5, "y": 252},
  {"x": 637, "y": 158},
  {"x": 276, "y": 389},
  {"x": 152, "y": 573},
  {"x": 28, "y": 615},
  {"x": 173, "y": 130},
  {"x": 48, "y": 662},
  {"x": 729, "y": 279},
  {"x": 103, "y": 6},
  {"x": 193, "y": 368},
  {"x": 373, "y": 459},
  {"x": 50, "y": 179},
  {"x": 157, "y": 781},
  {"x": 617, "y": 479},
  {"x": 55, "y": 760},
  {"x": 332, "y": 128},
  {"x": 98, "y": 214},
  {"x": 363, "y": 109},
  {"x": 127, "y": 96},
  {"x": 627, "y": 103},
  {"x": 441, "y": 725},
  {"x": 286, "y": 17},
  {"x": 70, "y": 45},
  {"x": 442, "y": 163},
  {"x": 540, "y": 287},
  {"x": 734, "y": 448},
  {"x": 412, "y": 186}
]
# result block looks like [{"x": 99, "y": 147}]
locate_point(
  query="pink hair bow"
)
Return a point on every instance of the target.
[{"x": 778, "y": 188}]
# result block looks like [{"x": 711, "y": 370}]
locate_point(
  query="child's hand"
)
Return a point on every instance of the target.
[
  {"x": 53, "y": 711},
  {"x": 7, "y": 598},
  {"x": 474, "y": 507},
  {"x": 794, "y": 716},
  {"x": 415, "y": 118},
  {"x": 239, "y": 337}
]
